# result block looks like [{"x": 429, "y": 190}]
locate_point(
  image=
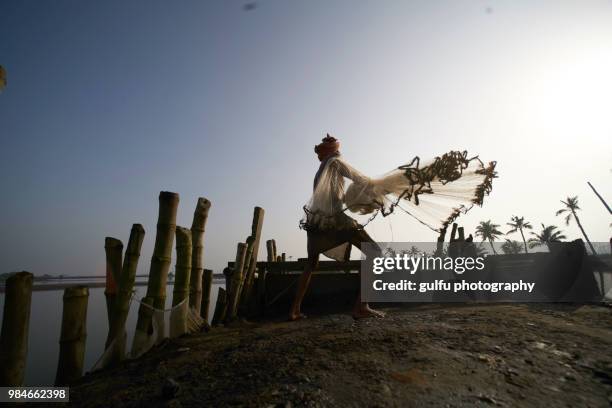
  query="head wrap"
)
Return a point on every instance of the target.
[{"x": 328, "y": 146}]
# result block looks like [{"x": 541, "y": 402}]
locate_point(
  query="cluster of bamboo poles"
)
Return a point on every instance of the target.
[
  {"x": 457, "y": 241},
  {"x": 192, "y": 284},
  {"x": 190, "y": 274},
  {"x": 272, "y": 253},
  {"x": 237, "y": 297}
]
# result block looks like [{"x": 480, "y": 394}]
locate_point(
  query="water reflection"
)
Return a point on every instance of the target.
[{"x": 46, "y": 321}]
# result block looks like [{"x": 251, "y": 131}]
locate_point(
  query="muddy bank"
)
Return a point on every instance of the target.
[{"x": 484, "y": 355}]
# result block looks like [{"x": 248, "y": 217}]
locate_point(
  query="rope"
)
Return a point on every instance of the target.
[
  {"x": 283, "y": 292},
  {"x": 155, "y": 309}
]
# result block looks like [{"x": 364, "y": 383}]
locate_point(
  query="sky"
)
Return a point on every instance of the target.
[{"x": 109, "y": 103}]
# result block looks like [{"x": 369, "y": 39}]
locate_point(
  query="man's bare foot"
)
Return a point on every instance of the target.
[
  {"x": 296, "y": 316},
  {"x": 365, "y": 311}
]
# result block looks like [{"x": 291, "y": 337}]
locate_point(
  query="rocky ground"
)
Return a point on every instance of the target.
[{"x": 447, "y": 356}]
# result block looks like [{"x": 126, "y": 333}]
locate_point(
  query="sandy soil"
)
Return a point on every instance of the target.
[{"x": 446, "y": 356}]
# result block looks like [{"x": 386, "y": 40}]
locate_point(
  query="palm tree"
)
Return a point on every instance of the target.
[
  {"x": 488, "y": 232},
  {"x": 519, "y": 224},
  {"x": 571, "y": 206},
  {"x": 512, "y": 247},
  {"x": 548, "y": 235},
  {"x": 480, "y": 250},
  {"x": 390, "y": 252},
  {"x": 413, "y": 251}
]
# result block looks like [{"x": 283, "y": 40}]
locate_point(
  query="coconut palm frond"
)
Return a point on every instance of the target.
[
  {"x": 519, "y": 224},
  {"x": 512, "y": 247},
  {"x": 548, "y": 235},
  {"x": 488, "y": 231},
  {"x": 533, "y": 243},
  {"x": 572, "y": 202}
]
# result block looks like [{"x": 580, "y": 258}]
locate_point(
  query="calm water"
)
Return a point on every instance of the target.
[{"x": 46, "y": 321}]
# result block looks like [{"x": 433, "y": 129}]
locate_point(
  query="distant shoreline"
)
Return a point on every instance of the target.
[{"x": 68, "y": 281}]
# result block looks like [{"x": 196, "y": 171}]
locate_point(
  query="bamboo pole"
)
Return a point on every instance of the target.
[
  {"x": 220, "y": 307},
  {"x": 227, "y": 273},
  {"x": 249, "y": 257},
  {"x": 126, "y": 285},
  {"x": 236, "y": 283},
  {"x": 207, "y": 279},
  {"x": 452, "y": 245},
  {"x": 251, "y": 264},
  {"x": 453, "y": 232},
  {"x": 114, "y": 253},
  {"x": 440, "y": 242},
  {"x": 15, "y": 328},
  {"x": 160, "y": 262},
  {"x": 270, "y": 249},
  {"x": 461, "y": 241},
  {"x": 144, "y": 327},
  {"x": 178, "y": 322},
  {"x": 274, "y": 249},
  {"x": 256, "y": 227},
  {"x": 73, "y": 336},
  {"x": 250, "y": 241},
  {"x": 245, "y": 291},
  {"x": 198, "y": 227},
  {"x": 195, "y": 289},
  {"x": 183, "y": 265}
]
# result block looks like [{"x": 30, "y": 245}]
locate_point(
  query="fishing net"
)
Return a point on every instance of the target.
[
  {"x": 178, "y": 320},
  {"x": 434, "y": 192}
]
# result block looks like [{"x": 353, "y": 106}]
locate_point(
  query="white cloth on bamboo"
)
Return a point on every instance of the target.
[{"x": 178, "y": 320}]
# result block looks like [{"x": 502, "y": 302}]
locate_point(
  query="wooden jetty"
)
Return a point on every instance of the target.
[{"x": 334, "y": 284}]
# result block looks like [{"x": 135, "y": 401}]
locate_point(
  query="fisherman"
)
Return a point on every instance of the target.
[
  {"x": 424, "y": 190},
  {"x": 329, "y": 230}
]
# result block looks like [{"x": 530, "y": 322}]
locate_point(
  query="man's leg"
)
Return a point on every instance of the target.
[
  {"x": 311, "y": 265},
  {"x": 318, "y": 242},
  {"x": 362, "y": 309}
]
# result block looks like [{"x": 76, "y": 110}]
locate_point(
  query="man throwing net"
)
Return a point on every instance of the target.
[{"x": 435, "y": 193}]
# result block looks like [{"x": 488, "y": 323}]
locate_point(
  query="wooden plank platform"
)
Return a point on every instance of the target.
[
  {"x": 336, "y": 284},
  {"x": 298, "y": 266}
]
